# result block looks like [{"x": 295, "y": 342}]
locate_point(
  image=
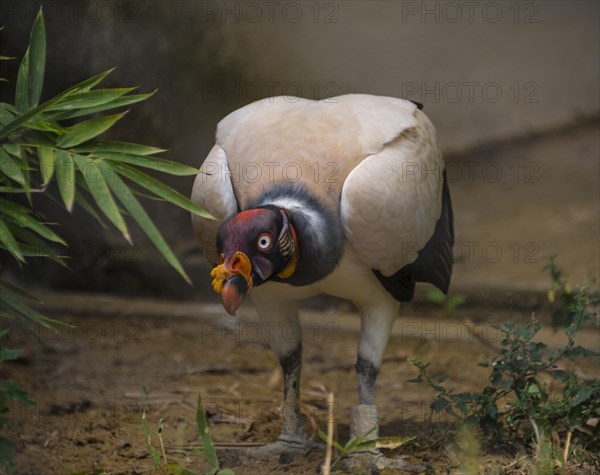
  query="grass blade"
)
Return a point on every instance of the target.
[
  {"x": 99, "y": 190},
  {"x": 132, "y": 205},
  {"x": 205, "y": 438},
  {"x": 65, "y": 176}
]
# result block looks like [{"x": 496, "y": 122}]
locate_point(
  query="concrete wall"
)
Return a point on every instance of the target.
[{"x": 486, "y": 71}]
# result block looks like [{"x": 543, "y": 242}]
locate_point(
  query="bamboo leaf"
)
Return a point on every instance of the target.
[
  {"x": 28, "y": 312},
  {"x": 65, "y": 176},
  {"x": 117, "y": 147},
  {"x": 88, "y": 208},
  {"x": 6, "y": 114},
  {"x": 36, "y": 247},
  {"x": 47, "y": 160},
  {"x": 10, "y": 167},
  {"x": 20, "y": 216},
  {"x": 154, "y": 163},
  {"x": 14, "y": 149},
  {"x": 97, "y": 186},
  {"x": 20, "y": 120},
  {"x": 30, "y": 76},
  {"x": 87, "y": 130},
  {"x": 120, "y": 102},
  {"x": 136, "y": 211},
  {"x": 89, "y": 99},
  {"x": 11, "y": 189},
  {"x": 18, "y": 291},
  {"x": 162, "y": 190},
  {"x": 8, "y": 242},
  {"x": 46, "y": 126}
]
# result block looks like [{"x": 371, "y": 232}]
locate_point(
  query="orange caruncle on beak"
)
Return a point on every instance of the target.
[
  {"x": 239, "y": 264},
  {"x": 232, "y": 279}
]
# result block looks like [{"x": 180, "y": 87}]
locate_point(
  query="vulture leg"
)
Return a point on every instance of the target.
[
  {"x": 377, "y": 320},
  {"x": 378, "y": 317},
  {"x": 281, "y": 323}
]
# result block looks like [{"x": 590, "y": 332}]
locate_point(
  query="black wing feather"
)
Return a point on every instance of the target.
[{"x": 434, "y": 261}]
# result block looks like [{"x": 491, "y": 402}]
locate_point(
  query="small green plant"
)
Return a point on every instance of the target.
[
  {"x": 560, "y": 295},
  {"x": 363, "y": 443},
  {"x": 9, "y": 391},
  {"x": 466, "y": 449},
  {"x": 208, "y": 452},
  {"x": 516, "y": 405},
  {"x": 448, "y": 302}
]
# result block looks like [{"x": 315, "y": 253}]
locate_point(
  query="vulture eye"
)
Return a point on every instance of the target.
[{"x": 264, "y": 242}]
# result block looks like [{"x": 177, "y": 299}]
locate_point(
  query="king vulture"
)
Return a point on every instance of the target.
[{"x": 346, "y": 196}]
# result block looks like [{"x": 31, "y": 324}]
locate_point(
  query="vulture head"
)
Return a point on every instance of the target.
[{"x": 254, "y": 246}]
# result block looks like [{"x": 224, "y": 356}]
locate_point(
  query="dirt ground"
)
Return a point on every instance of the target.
[
  {"x": 92, "y": 383},
  {"x": 123, "y": 356}
]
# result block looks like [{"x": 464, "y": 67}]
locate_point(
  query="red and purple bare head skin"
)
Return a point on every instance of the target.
[{"x": 254, "y": 245}]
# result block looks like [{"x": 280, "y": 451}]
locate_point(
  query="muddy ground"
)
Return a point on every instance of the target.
[{"x": 92, "y": 383}]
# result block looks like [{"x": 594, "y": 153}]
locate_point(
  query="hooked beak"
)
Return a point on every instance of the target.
[{"x": 232, "y": 279}]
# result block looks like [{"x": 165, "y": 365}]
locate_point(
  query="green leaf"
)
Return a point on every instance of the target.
[
  {"x": 26, "y": 311},
  {"x": 439, "y": 405},
  {"x": 166, "y": 166},
  {"x": 333, "y": 443},
  {"x": 117, "y": 147},
  {"x": 154, "y": 455},
  {"x": 47, "y": 160},
  {"x": 82, "y": 86},
  {"x": 115, "y": 104},
  {"x": 65, "y": 176},
  {"x": 45, "y": 126},
  {"x": 7, "y": 354},
  {"x": 87, "y": 130},
  {"x": 20, "y": 215},
  {"x": 30, "y": 77},
  {"x": 176, "y": 469},
  {"x": 89, "y": 99},
  {"x": 17, "y": 291},
  {"x": 207, "y": 444},
  {"x": 20, "y": 120},
  {"x": 87, "y": 207},
  {"x": 162, "y": 190},
  {"x": 36, "y": 247},
  {"x": 436, "y": 296},
  {"x": 9, "y": 243},
  {"x": 10, "y": 167},
  {"x": 13, "y": 149},
  {"x": 6, "y": 456},
  {"x": 92, "y": 173},
  {"x": 136, "y": 211}
]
